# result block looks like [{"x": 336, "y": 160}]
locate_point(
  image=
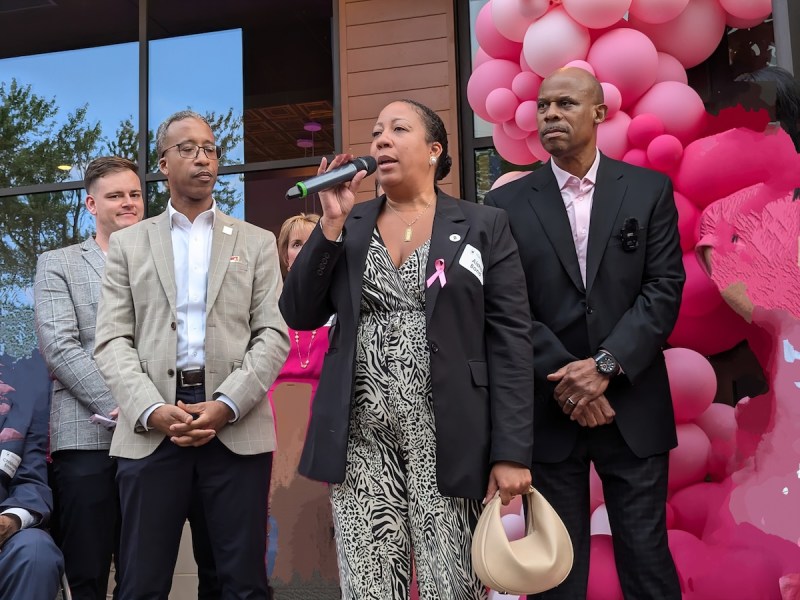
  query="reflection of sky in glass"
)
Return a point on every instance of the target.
[{"x": 202, "y": 72}]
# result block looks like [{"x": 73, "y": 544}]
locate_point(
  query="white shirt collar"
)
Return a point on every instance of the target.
[
  {"x": 171, "y": 212},
  {"x": 562, "y": 176}
]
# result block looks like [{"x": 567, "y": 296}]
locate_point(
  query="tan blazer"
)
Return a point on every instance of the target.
[{"x": 246, "y": 338}]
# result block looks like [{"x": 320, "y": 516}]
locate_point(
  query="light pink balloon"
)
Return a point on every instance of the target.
[
  {"x": 665, "y": 152},
  {"x": 533, "y": 9},
  {"x": 692, "y": 383},
  {"x": 603, "y": 578},
  {"x": 502, "y": 180},
  {"x": 594, "y": 14},
  {"x": 494, "y": 43},
  {"x": 536, "y": 148},
  {"x": 598, "y": 524},
  {"x": 480, "y": 58},
  {"x": 738, "y": 23},
  {"x": 657, "y": 11},
  {"x": 612, "y": 98},
  {"x": 700, "y": 294},
  {"x": 644, "y": 128},
  {"x": 525, "y": 116},
  {"x": 688, "y": 217},
  {"x": 501, "y": 104},
  {"x": 679, "y": 107},
  {"x": 637, "y": 157},
  {"x": 747, "y": 9},
  {"x": 553, "y": 41},
  {"x": 719, "y": 424},
  {"x": 626, "y": 58},
  {"x": 688, "y": 463},
  {"x": 514, "y": 151},
  {"x": 513, "y": 131},
  {"x": 670, "y": 69},
  {"x": 487, "y": 77},
  {"x": 692, "y": 36},
  {"x": 508, "y": 20},
  {"x": 526, "y": 85},
  {"x": 514, "y": 526},
  {"x": 612, "y": 135},
  {"x": 581, "y": 64},
  {"x": 595, "y": 489}
]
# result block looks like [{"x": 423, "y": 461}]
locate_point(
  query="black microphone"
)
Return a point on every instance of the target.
[{"x": 334, "y": 177}]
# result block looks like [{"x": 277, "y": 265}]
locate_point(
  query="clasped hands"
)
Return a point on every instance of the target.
[
  {"x": 581, "y": 393},
  {"x": 189, "y": 425}
]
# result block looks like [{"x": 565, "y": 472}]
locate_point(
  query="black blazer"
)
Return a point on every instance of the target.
[
  {"x": 628, "y": 306},
  {"x": 479, "y": 338}
]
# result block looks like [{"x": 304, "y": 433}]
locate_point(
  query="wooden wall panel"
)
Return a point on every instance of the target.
[{"x": 389, "y": 50}]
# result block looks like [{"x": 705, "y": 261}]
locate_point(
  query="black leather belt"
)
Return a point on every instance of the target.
[{"x": 191, "y": 378}]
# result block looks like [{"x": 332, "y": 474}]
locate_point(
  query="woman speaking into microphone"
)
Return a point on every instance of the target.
[{"x": 425, "y": 401}]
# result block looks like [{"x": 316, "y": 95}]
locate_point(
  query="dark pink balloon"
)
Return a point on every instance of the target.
[
  {"x": 709, "y": 334},
  {"x": 688, "y": 218},
  {"x": 644, "y": 128},
  {"x": 603, "y": 578},
  {"x": 637, "y": 157},
  {"x": 665, "y": 152},
  {"x": 700, "y": 294}
]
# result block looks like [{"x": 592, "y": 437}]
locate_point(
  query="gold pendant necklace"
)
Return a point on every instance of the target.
[
  {"x": 408, "y": 232},
  {"x": 304, "y": 363}
]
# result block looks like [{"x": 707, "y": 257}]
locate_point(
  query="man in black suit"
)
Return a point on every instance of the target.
[{"x": 599, "y": 244}]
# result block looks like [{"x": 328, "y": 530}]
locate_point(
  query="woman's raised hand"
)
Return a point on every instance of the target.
[{"x": 337, "y": 202}]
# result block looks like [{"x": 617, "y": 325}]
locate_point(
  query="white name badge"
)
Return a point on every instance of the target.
[
  {"x": 9, "y": 462},
  {"x": 472, "y": 261}
]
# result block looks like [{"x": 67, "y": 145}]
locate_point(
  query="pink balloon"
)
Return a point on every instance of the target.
[
  {"x": 738, "y": 23},
  {"x": 502, "y": 180},
  {"x": 678, "y": 106},
  {"x": 501, "y": 104},
  {"x": 692, "y": 383},
  {"x": 494, "y": 43},
  {"x": 708, "y": 334},
  {"x": 644, "y": 128},
  {"x": 738, "y": 574},
  {"x": 719, "y": 424},
  {"x": 657, "y": 11},
  {"x": 581, "y": 64},
  {"x": 514, "y": 151},
  {"x": 487, "y": 77},
  {"x": 533, "y": 9},
  {"x": 692, "y": 36},
  {"x": 688, "y": 218},
  {"x": 692, "y": 505},
  {"x": 626, "y": 58},
  {"x": 553, "y": 41},
  {"x": 665, "y": 152},
  {"x": 536, "y": 148},
  {"x": 637, "y": 157},
  {"x": 670, "y": 69},
  {"x": 595, "y": 489},
  {"x": 526, "y": 85},
  {"x": 513, "y": 131},
  {"x": 747, "y": 9},
  {"x": 596, "y": 15},
  {"x": 514, "y": 526},
  {"x": 670, "y": 517},
  {"x": 508, "y": 20},
  {"x": 689, "y": 555},
  {"x": 480, "y": 58},
  {"x": 603, "y": 578},
  {"x": 598, "y": 523},
  {"x": 526, "y": 116},
  {"x": 612, "y": 135},
  {"x": 612, "y": 99},
  {"x": 689, "y": 461}
]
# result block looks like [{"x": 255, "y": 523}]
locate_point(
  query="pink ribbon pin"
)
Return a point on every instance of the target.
[{"x": 439, "y": 274}]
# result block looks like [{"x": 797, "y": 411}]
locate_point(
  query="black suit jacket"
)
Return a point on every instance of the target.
[
  {"x": 628, "y": 306},
  {"x": 479, "y": 338}
]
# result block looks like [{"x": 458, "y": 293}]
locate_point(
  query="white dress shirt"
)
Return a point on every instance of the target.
[
  {"x": 578, "y": 195},
  {"x": 191, "y": 251},
  {"x": 25, "y": 517}
]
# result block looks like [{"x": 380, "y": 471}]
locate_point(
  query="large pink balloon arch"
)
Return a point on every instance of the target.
[{"x": 640, "y": 50}]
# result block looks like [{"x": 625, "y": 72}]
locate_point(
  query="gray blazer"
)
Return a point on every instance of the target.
[
  {"x": 246, "y": 339},
  {"x": 66, "y": 291}
]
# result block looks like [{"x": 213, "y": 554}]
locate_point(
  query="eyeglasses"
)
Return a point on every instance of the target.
[{"x": 189, "y": 150}]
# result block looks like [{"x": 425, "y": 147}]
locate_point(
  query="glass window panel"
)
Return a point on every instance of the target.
[
  {"x": 64, "y": 109},
  {"x": 482, "y": 128},
  {"x": 489, "y": 165},
  {"x": 228, "y": 192}
]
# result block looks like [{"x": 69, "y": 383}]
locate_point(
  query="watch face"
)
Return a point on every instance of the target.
[{"x": 606, "y": 365}]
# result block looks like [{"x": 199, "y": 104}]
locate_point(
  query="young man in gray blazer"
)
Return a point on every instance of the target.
[{"x": 189, "y": 339}]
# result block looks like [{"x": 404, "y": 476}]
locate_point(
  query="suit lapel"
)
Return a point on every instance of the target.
[
  {"x": 549, "y": 207},
  {"x": 223, "y": 239},
  {"x": 161, "y": 248},
  {"x": 94, "y": 255},
  {"x": 609, "y": 193},
  {"x": 359, "y": 233},
  {"x": 448, "y": 235}
]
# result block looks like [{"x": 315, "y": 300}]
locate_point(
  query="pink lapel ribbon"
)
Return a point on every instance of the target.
[{"x": 438, "y": 274}]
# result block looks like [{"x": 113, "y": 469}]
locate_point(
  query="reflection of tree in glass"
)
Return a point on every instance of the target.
[{"x": 227, "y": 129}]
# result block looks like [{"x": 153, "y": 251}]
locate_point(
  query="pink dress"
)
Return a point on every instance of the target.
[{"x": 304, "y": 363}]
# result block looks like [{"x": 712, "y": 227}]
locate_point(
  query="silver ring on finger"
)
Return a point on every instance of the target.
[{"x": 570, "y": 401}]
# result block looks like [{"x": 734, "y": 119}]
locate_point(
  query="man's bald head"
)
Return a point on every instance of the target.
[{"x": 587, "y": 82}]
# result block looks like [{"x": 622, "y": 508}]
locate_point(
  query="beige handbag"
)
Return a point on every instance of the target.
[{"x": 536, "y": 563}]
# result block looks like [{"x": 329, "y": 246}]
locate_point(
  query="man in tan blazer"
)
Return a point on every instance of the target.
[{"x": 189, "y": 338}]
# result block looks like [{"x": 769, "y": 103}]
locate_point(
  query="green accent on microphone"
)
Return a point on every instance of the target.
[{"x": 303, "y": 189}]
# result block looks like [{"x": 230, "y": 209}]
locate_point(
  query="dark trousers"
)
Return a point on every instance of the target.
[
  {"x": 30, "y": 566},
  {"x": 160, "y": 491},
  {"x": 635, "y": 491},
  {"x": 86, "y": 519}
]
